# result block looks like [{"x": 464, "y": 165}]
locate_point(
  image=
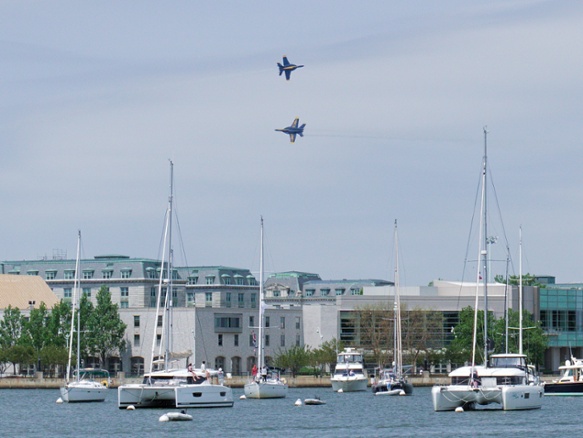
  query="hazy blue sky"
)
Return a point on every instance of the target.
[{"x": 98, "y": 95}]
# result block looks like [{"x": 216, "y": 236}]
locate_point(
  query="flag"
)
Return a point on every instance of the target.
[{"x": 254, "y": 338}]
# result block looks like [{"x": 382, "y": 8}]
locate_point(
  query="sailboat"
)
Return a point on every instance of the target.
[
  {"x": 264, "y": 384},
  {"x": 83, "y": 387},
  {"x": 172, "y": 386},
  {"x": 394, "y": 382},
  {"x": 506, "y": 380}
]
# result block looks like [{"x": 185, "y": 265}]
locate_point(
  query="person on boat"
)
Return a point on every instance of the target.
[
  {"x": 254, "y": 371},
  {"x": 264, "y": 373},
  {"x": 475, "y": 380},
  {"x": 221, "y": 376},
  {"x": 203, "y": 366}
]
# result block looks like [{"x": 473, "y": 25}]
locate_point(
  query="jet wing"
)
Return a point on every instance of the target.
[
  {"x": 287, "y": 74},
  {"x": 292, "y": 138},
  {"x": 285, "y": 61},
  {"x": 295, "y": 123}
]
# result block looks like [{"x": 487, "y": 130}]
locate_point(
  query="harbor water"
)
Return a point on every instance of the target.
[{"x": 35, "y": 413}]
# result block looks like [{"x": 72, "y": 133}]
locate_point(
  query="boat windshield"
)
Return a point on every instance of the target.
[
  {"x": 92, "y": 373},
  {"x": 508, "y": 362},
  {"x": 349, "y": 358}
]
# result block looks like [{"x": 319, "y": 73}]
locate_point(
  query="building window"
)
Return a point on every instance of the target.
[
  {"x": 87, "y": 275},
  {"x": 189, "y": 298},
  {"x": 160, "y": 319},
  {"x": 136, "y": 320},
  {"x": 298, "y": 339},
  {"x": 136, "y": 340},
  {"x": 220, "y": 340},
  {"x": 124, "y": 292},
  {"x": 208, "y": 299},
  {"x": 107, "y": 274},
  {"x": 241, "y": 299},
  {"x": 254, "y": 300},
  {"x": 227, "y": 322},
  {"x": 67, "y": 292},
  {"x": 210, "y": 279},
  {"x": 282, "y": 340},
  {"x": 339, "y": 292},
  {"x": 153, "y": 297},
  {"x": 124, "y": 305},
  {"x": 282, "y": 322},
  {"x": 126, "y": 273},
  {"x": 69, "y": 274},
  {"x": 324, "y": 292},
  {"x": 298, "y": 323},
  {"x": 158, "y": 340},
  {"x": 310, "y": 292},
  {"x": 51, "y": 275},
  {"x": 226, "y": 279},
  {"x": 87, "y": 292},
  {"x": 354, "y": 291},
  {"x": 251, "y": 321},
  {"x": 32, "y": 272},
  {"x": 239, "y": 280},
  {"x": 267, "y": 322},
  {"x": 228, "y": 299},
  {"x": 236, "y": 340},
  {"x": 276, "y": 293},
  {"x": 267, "y": 340},
  {"x": 192, "y": 280}
]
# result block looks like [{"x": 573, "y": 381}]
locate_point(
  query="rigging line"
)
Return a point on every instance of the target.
[
  {"x": 500, "y": 214},
  {"x": 472, "y": 221}
]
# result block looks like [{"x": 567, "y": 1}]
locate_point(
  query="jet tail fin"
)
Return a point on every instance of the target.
[{"x": 280, "y": 68}]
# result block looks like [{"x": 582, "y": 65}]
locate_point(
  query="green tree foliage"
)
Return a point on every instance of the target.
[
  {"x": 11, "y": 327},
  {"x": 105, "y": 329},
  {"x": 421, "y": 331},
  {"x": 35, "y": 330},
  {"x": 52, "y": 356},
  {"x": 20, "y": 354},
  {"x": 514, "y": 280},
  {"x": 293, "y": 359},
  {"x": 326, "y": 354},
  {"x": 534, "y": 339}
]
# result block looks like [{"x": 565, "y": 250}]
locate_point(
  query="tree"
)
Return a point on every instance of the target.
[
  {"x": 35, "y": 331},
  {"x": 11, "y": 327},
  {"x": 293, "y": 359},
  {"x": 326, "y": 354},
  {"x": 105, "y": 329},
  {"x": 376, "y": 331},
  {"x": 20, "y": 354},
  {"x": 460, "y": 349},
  {"x": 514, "y": 280},
  {"x": 59, "y": 324},
  {"x": 52, "y": 356},
  {"x": 422, "y": 331}
]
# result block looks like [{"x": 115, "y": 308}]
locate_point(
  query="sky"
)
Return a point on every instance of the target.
[{"x": 99, "y": 96}]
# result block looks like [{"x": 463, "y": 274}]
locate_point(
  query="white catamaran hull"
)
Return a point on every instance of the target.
[
  {"x": 510, "y": 398},
  {"x": 349, "y": 384},
  {"x": 75, "y": 392},
  {"x": 265, "y": 390},
  {"x": 182, "y": 396}
]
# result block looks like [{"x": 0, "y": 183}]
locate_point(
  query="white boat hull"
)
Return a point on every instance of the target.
[
  {"x": 265, "y": 390},
  {"x": 79, "y": 392},
  {"x": 510, "y": 398},
  {"x": 181, "y": 396},
  {"x": 349, "y": 384}
]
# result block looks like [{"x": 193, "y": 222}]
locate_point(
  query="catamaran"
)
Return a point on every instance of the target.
[
  {"x": 172, "y": 386},
  {"x": 506, "y": 380}
]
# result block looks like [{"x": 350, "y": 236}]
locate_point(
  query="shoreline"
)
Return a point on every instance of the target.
[{"x": 234, "y": 382}]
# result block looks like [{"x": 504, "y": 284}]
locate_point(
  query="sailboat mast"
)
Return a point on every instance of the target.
[
  {"x": 76, "y": 287},
  {"x": 484, "y": 251},
  {"x": 520, "y": 292},
  {"x": 398, "y": 342},
  {"x": 168, "y": 303},
  {"x": 260, "y": 359},
  {"x": 73, "y": 311}
]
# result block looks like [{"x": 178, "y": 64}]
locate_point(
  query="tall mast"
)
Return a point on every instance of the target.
[
  {"x": 398, "y": 347},
  {"x": 484, "y": 251},
  {"x": 74, "y": 311},
  {"x": 261, "y": 302},
  {"x": 520, "y": 293},
  {"x": 168, "y": 304}
]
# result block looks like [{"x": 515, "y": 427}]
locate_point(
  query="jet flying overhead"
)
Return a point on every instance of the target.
[
  {"x": 293, "y": 130},
  {"x": 287, "y": 68}
]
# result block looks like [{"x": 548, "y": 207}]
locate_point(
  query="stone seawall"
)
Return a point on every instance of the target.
[{"x": 235, "y": 382}]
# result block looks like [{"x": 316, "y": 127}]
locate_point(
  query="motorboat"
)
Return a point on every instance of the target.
[
  {"x": 314, "y": 401},
  {"x": 390, "y": 384},
  {"x": 176, "y": 416},
  {"x": 349, "y": 374},
  {"x": 570, "y": 382}
]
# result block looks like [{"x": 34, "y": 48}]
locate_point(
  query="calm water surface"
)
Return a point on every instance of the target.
[{"x": 35, "y": 413}]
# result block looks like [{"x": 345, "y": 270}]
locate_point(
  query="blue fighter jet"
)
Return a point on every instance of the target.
[
  {"x": 293, "y": 130},
  {"x": 287, "y": 68}
]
